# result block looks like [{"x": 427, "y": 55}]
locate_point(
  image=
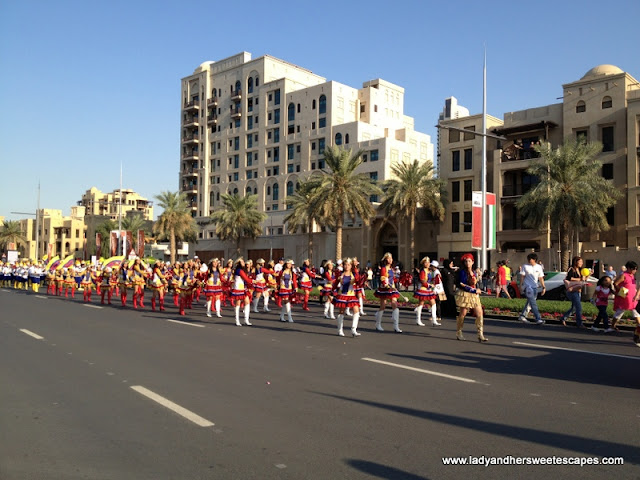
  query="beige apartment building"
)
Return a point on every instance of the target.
[
  {"x": 108, "y": 204},
  {"x": 603, "y": 105},
  {"x": 260, "y": 126}
]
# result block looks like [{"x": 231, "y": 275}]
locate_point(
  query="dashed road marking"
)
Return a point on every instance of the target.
[
  {"x": 31, "y": 334},
  {"x": 185, "y": 323},
  {"x": 421, "y": 370},
  {"x": 92, "y": 306},
  {"x": 549, "y": 347},
  {"x": 189, "y": 415}
]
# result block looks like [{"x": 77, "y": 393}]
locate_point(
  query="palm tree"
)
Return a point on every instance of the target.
[
  {"x": 414, "y": 186},
  {"x": 176, "y": 221},
  {"x": 341, "y": 191},
  {"x": 304, "y": 211},
  {"x": 11, "y": 232},
  {"x": 238, "y": 218},
  {"x": 571, "y": 194}
]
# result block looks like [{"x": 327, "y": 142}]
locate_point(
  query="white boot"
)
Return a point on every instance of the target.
[
  {"x": 331, "y": 309},
  {"x": 418, "y": 311},
  {"x": 289, "y": 312},
  {"x": 247, "y": 309},
  {"x": 379, "y": 314},
  {"x": 354, "y": 325},
  {"x": 326, "y": 309},
  {"x": 282, "y": 312},
  {"x": 237, "y": 309},
  {"x": 361, "y": 300},
  {"x": 218, "y": 308},
  {"x": 209, "y": 308},
  {"x": 434, "y": 318},
  {"x": 348, "y": 312},
  {"x": 395, "y": 316},
  {"x": 255, "y": 304},
  {"x": 340, "y": 323},
  {"x": 266, "y": 303}
]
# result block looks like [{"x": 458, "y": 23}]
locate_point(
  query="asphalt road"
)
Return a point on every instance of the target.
[{"x": 80, "y": 388}]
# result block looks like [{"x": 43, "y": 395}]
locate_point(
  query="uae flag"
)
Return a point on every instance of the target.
[{"x": 476, "y": 227}]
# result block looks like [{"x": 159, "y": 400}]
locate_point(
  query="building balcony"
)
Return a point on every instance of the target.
[
  {"x": 512, "y": 224},
  {"x": 191, "y": 155},
  {"x": 236, "y": 113},
  {"x": 212, "y": 119},
  {"x": 236, "y": 95},
  {"x": 190, "y": 121},
  {"x": 193, "y": 105},
  {"x": 195, "y": 138},
  {"x": 190, "y": 188},
  {"x": 212, "y": 102},
  {"x": 516, "y": 190},
  {"x": 190, "y": 172}
]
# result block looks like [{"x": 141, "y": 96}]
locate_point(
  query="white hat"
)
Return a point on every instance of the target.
[
  {"x": 339, "y": 262},
  {"x": 435, "y": 264}
]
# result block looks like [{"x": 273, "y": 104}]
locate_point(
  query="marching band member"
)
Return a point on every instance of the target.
[
  {"x": 327, "y": 290},
  {"x": 86, "y": 283},
  {"x": 137, "y": 279},
  {"x": 344, "y": 286},
  {"x": 239, "y": 293},
  {"x": 106, "y": 285},
  {"x": 287, "y": 287},
  {"x": 467, "y": 297},
  {"x": 424, "y": 293},
  {"x": 306, "y": 282},
  {"x": 69, "y": 283},
  {"x": 185, "y": 287},
  {"x": 387, "y": 292},
  {"x": 157, "y": 282},
  {"x": 359, "y": 288},
  {"x": 213, "y": 288},
  {"x": 260, "y": 285},
  {"x": 124, "y": 281}
]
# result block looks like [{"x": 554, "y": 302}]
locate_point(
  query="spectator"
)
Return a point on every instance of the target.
[{"x": 610, "y": 272}]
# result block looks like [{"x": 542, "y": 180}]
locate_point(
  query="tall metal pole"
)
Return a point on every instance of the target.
[
  {"x": 483, "y": 258},
  {"x": 120, "y": 239},
  {"x": 38, "y": 225}
]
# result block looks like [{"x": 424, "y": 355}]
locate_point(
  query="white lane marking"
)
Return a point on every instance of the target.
[
  {"x": 198, "y": 420},
  {"x": 413, "y": 369},
  {"x": 92, "y": 306},
  {"x": 41, "y": 296},
  {"x": 31, "y": 334},
  {"x": 549, "y": 347},
  {"x": 6, "y": 291},
  {"x": 185, "y": 323}
]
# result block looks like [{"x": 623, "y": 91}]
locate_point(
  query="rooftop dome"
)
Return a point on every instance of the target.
[{"x": 602, "y": 70}]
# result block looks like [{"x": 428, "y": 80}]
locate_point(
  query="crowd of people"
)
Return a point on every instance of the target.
[{"x": 446, "y": 290}]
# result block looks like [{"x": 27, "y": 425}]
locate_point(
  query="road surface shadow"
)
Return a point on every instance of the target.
[{"x": 382, "y": 471}]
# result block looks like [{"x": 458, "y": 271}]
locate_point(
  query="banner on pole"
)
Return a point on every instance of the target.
[
  {"x": 140, "y": 243},
  {"x": 476, "y": 227}
]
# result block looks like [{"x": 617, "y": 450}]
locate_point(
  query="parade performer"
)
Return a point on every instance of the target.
[
  {"x": 306, "y": 282},
  {"x": 213, "y": 288},
  {"x": 327, "y": 290},
  {"x": 137, "y": 279},
  {"x": 124, "y": 282},
  {"x": 106, "y": 285},
  {"x": 185, "y": 287},
  {"x": 345, "y": 287},
  {"x": 362, "y": 279},
  {"x": 69, "y": 283},
  {"x": 86, "y": 283},
  {"x": 387, "y": 292},
  {"x": 287, "y": 287},
  {"x": 51, "y": 282},
  {"x": 227, "y": 283},
  {"x": 260, "y": 285},
  {"x": 59, "y": 279},
  {"x": 627, "y": 296},
  {"x": 425, "y": 293},
  {"x": 467, "y": 297},
  {"x": 239, "y": 292},
  {"x": 158, "y": 284}
]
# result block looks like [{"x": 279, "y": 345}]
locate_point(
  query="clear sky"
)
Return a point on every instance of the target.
[{"x": 86, "y": 85}]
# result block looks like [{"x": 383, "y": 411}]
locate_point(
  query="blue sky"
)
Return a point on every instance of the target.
[{"x": 85, "y": 85}]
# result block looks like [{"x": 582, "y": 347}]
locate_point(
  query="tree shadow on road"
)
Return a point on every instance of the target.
[{"x": 382, "y": 471}]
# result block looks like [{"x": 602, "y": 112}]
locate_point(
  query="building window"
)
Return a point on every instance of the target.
[
  {"x": 250, "y": 105},
  {"x": 467, "y": 222},
  {"x": 455, "y": 222},
  {"x": 611, "y": 215},
  {"x": 320, "y": 146},
  {"x": 313, "y": 125},
  {"x": 276, "y": 192},
  {"x": 607, "y": 171},
  {"x": 454, "y": 136},
  {"x": 468, "y": 187},
  {"x": 455, "y": 160},
  {"x": 291, "y": 129},
  {"x": 289, "y": 188},
  {"x": 607, "y": 139},
  {"x": 276, "y": 135},
  {"x": 249, "y": 141},
  {"x": 582, "y": 136},
  {"x": 313, "y": 104},
  {"x": 455, "y": 191},
  {"x": 276, "y": 154},
  {"x": 236, "y": 161},
  {"x": 581, "y": 107},
  {"x": 607, "y": 102},
  {"x": 346, "y": 139},
  {"x": 373, "y": 155},
  {"x": 236, "y": 143},
  {"x": 276, "y": 98},
  {"x": 468, "y": 135},
  {"x": 276, "y": 116},
  {"x": 250, "y": 85},
  {"x": 468, "y": 158},
  {"x": 322, "y": 102},
  {"x": 373, "y": 198},
  {"x": 289, "y": 167},
  {"x": 322, "y": 122},
  {"x": 338, "y": 140},
  {"x": 373, "y": 176},
  {"x": 291, "y": 112},
  {"x": 290, "y": 154},
  {"x": 321, "y": 164},
  {"x": 257, "y": 81},
  {"x": 249, "y": 159}
]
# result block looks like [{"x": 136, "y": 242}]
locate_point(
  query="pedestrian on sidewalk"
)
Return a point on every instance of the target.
[{"x": 531, "y": 274}]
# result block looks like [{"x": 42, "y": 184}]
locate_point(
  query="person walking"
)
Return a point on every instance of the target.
[
  {"x": 468, "y": 298},
  {"x": 345, "y": 287},
  {"x": 531, "y": 273},
  {"x": 387, "y": 292},
  {"x": 573, "y": 282},
  {"x": 601, "y": 301},
  {"x": 627, "y": 295}
]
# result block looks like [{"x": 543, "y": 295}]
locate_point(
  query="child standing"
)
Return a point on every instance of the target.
[{"x": 601, "y": 297}]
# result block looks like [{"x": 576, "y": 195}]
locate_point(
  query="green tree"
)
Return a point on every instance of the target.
[
  {"x": 341, "y": 191},
  {"x": 176, "y": 222},
  {"x": 304, "y": 211},
  {"x": 414, "y": 186},
  {"x": 571, "y": 194},
  {"x": 11, "y": 232},
  {"x": 238, "y": 218}
]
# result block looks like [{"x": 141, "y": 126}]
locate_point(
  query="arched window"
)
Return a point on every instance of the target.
[
  {"x": 235, "y": 191},
  {"x": 257, "y": 81},
  {"x": 289, "y": 188},
  {"x": 248, "y": 191},
  {"x": 581, "y": 107},
  {"x": 255, "y": 190},
  {"x": 276, "y": 192},
  {"x": 297, "y": 185},
  {"x": 291, "y": 112},
  {"x": 323, "y": 105},
  {"x": 607, "y": 102},
  {"x": 346, "y": 138},
  {"x": 250, "y": 85},
  {"x": 238, "y": 86},
  {"x": 338, "y": 139}
]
